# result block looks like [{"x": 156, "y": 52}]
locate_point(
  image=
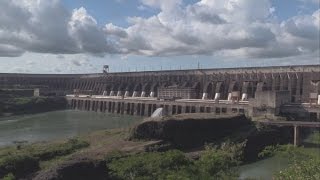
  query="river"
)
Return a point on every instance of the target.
[
  {"x": 69, "y": 123},
  {"x": 58, "y": 125},
  {"x": 263, "y": 169}
]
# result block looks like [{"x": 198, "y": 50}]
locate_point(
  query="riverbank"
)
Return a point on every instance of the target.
[
  {"x": 53, "y": 125},
  {"x": 52, "y": 159},
  {"x": 155, "y": 150},
  {"x": 30, "y": 105}
]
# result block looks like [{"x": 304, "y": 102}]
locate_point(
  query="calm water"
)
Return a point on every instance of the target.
[
  {"x": 57, "y": 125},
  {"x": 264, "y": 169},
  {"x": 64, "y": 124}
]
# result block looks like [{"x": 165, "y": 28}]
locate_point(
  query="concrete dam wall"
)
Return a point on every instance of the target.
[{"x": 265, "y": 88}]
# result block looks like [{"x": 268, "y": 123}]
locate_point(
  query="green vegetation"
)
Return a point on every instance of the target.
[
  {"x": 314, "y": 138},
  {"x": 307, "y": 169},
  {"x": 9, "y": 176},
  {"x": 303, "y": 163},
  {"x": 214, "y": 163},
  {"x": 27, "y": 105},
  {"x": 24, "y": 160}
]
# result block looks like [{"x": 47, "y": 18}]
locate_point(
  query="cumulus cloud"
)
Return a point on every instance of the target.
[
  {"x": 48, "y": 27},
  {"x": 245, "y": 28},
  {"x": 164, "y": 5},
  {"x": 10, "y": 51}
]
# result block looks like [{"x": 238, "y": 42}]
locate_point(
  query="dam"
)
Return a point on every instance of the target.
[{"x": 292, "y": 91}]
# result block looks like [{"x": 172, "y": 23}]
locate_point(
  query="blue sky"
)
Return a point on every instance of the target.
[
  {"x": 80, "y": 36},
  {"x": 117, "y": 11}
]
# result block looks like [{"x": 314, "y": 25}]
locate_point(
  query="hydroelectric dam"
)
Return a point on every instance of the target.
[{"x": 292, "y": 91}]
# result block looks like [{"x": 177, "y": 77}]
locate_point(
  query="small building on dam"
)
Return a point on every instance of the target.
[{"x": 292, "y": 91}]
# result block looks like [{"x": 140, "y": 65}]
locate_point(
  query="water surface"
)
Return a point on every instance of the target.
[
  {"x": 263, "y": 169},
  {"x": 58, "y": 125}
]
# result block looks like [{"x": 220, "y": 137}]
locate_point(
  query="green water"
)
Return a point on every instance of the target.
[
  {"x": 58, "y": 125},
  {"x": 267, "y": 168},
  {"x": 263, "y": 169},
  {"x": 64, "y": 124}
]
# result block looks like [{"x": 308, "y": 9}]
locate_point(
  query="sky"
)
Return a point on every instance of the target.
[{"x": 80, "y": 36}]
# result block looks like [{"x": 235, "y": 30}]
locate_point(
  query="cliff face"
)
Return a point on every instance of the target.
[{"x": 188, "y": 131}]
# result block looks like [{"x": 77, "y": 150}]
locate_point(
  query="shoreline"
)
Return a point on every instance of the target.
[{"x": 102, "y": 143}]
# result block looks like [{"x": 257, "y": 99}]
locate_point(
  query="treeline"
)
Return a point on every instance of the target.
[{"x": 30, "y": 105}]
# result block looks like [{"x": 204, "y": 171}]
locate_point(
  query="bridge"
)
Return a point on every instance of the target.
[{"x": 295, "y": 124}]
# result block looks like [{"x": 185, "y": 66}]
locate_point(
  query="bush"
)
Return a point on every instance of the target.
[
  {"x": 18, "y": 165},
  {"x": 288, "y": 151},
  {"x": 303, "y": 163},
  {"x": 218, "y": 163},
  {"x": 214, "y": 163},
  {"x": 25, "y": 160},
  {"x": 9, "y": 176},
  {"x": 308, "y": 169},
  {"x": 147, "y": 165}
]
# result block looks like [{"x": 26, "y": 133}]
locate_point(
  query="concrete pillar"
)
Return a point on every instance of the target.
[
  {"x": 229, "y": 96},
  {"x": 135, "y": 109},
  {"x": 122, "y": 108},
  {"x": 126, "y": 94},
  {"x": 103, "y": 106},
  {"x": 99, "y": 106},
  {"x": 106, "y": 106},
  {"x": 197, "y": 109},
  {"x": 217, "y": 96},
  {"x": 146, "y": 110},
  {"x": 244, "y": 97},
  {"x": 81, "y": 105},
  {"x": 113, "y": 107},
  {"x": 170, "y": 110},
  {"x": 125, "y": 107},
  {"x": 91, "y": 106},
  {"x": 134, "y": 94},
  {"x": 296, "y": 136},
  {"x": 213, "y": 110},
  {"x": 105, "y": 93},
  {"x": 111, "y": 93},
  {"x": 78, "y": 105},
  {"x": 152, "y": 94},
  {"x": 143, "y": 94},
  {"x": 183, "y": 109},
  {"x": 318, "y": 99},
  {"x": 119, "y": 93},
  {"x": 204, "y": 96}
]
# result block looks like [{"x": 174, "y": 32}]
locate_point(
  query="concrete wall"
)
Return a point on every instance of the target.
[
  {"x": 300, "y": 81},
  {"x": 268, "y": 103},
  {"x": 146, "y": 108}
]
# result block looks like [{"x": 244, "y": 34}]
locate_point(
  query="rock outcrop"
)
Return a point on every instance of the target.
[{"x": 188, "y": 130}]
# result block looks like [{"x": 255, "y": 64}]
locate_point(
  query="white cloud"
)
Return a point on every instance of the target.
[
  {"x": 10, "y": 51},
  {"x": 238, "y": 28},
  {"x": 243, "y": 28},
  {"x": 48, "y": 27},
  {"x": 164, "y": 5}
]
